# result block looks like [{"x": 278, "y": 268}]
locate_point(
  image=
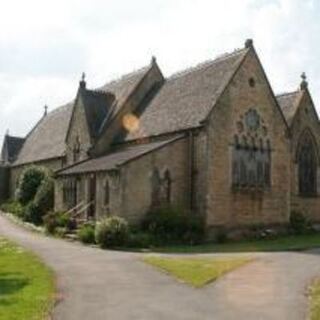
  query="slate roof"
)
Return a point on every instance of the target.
[
  {"x": 288, "y": 103},
  {"x": 13, "y": 146},
  {"x": 115, "y": 159},
  {"x": 97, "y": 105},
  {"x": 186, "y": 98},
  {"x": 182, "y": 102},
  {"x": 124, "y": 86},
  {"x": 47, "y": 139}
]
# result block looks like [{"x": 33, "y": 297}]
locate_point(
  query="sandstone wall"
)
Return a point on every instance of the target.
[
  {"x": 135, "y": 180},
  {"x": 305, "y": 119},
  {"x": 234, "y": 208}
]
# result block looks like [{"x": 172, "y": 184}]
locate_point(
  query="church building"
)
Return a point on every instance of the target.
[{"x": 213, "y": 140}]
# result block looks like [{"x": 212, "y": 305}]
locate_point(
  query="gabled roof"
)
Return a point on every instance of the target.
[
  {"x": 114, "y": 160},
  {"x": 289, "y": 103},
  {"x": 186, "y": 98},
  {"x": 123, "y": 87},
  {"x": 11, "y": 148},
  {"x": 97, "y": 106},
  {"x": 47, "y": 139}
]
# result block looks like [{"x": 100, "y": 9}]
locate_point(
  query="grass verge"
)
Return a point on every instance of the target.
[
  {"x": 26, "y": 285},
  {"x": 314, "y": 295},
  {"x": 284, "y": 243},
  {"x": 196, "y": 271}
]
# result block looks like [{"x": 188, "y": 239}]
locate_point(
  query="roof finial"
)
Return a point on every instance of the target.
[
  {"x": 153, "y": 60},
  {"x": 7, "y": 132},
  {"x": 249, "y": 43},
  {"x": 304, "y": 82},
  {"x": 83, "y": 81},
  {"x": 45, "y": 110}
]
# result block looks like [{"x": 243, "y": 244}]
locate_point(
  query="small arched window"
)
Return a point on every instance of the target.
[
  {"x": 167, "y": 187},
  {"x": 155, "y": 187},
  {"x": 307, "y": 165},
  {"x": 76, "y": 150},
  {"x": 107, "y": 193}
]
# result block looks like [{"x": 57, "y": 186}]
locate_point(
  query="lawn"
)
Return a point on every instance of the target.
[
  {"x": 26, "y": 284},
  {"x": 284, "y": 243},
  {"x": 196, "y": 271},
  {"x": 315, "y": 301}
]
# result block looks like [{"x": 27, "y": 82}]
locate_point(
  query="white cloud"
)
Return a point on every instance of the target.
[{"x": 45, "y": 45}]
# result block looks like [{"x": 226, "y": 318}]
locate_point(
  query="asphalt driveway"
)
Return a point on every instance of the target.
[{"x": 95, "y": 284}]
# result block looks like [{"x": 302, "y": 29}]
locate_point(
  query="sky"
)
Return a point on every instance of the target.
[{"x": 46, "y": 45}]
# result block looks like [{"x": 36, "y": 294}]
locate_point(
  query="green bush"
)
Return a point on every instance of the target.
[
  {"x": 112, "y": 232},
  {"x": 13, "y": 207},
  {"x": 86, "y": 233},
  {"x": 29, "y": 183},
  {"x": 54, "y": 220},
  {"x": 44, "y": 197},
  {"x": 33, "y": 214},
  {"x": 221, "y": 235},
  {"x": 140, "y": 240},
  {"x": 170, "y": 225},
  {"x": 299, "y": 223},
  {"x": 64, "y": 220},
  {"x": 61, "y": 231},
  {"x": 50, "y": 222}
]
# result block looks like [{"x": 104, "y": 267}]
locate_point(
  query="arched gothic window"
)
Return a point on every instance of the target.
[
  {"x": 307, "y": 165},
  {"x": 107, "y": 193},
  {"x": 251, "y": 162},
  {"x": 155, "y": 187},
  {"x": 76, "y": 150},
  {"x": 161, "y": 188},
  {"x": 166, "y": 187}
]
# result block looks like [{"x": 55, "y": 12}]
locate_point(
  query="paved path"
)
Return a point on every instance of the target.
[{"x": 96, "y": 284}]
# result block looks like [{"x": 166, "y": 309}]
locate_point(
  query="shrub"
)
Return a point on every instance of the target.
[
  {"x": 13, "y": 207},
  {"x": 44, "y": 197},
  {"x": 112, "y": 232},
  {"x": 54, "y": 220},
  {"x": 140, "y": 240},
  {"x": 50, "y": 222},
  {"x": 86, "y": 233},
  {"x": 172, "y": 225},
  {"x": 221, "y": 235},
  {"x": 64, "y": 220},
  {"x": 61, "y": 231},
  {"x": 29, "y": 183},
  {"x": 299, "y": 224},
  {"x": 33, "y": 214}
]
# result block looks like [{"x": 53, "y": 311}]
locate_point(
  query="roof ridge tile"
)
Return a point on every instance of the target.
[{"x": 206, "y": 63}]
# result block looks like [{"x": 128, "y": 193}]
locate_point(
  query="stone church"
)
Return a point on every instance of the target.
[{"x": 213, "y": 140}]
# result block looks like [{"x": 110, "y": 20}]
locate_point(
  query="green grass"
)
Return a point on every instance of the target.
[
  {"x": 26, "y": 284},
  {"x": 285, "y": 243},
  {"x": 196, "y": 271},
  {"x": 315, "y": 301}
]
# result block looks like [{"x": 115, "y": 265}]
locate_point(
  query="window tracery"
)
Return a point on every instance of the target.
[
  {"x": 307, "y": 165},
  {"x": 251, "y": 156},
  {"x": 161, "y": 188}
]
